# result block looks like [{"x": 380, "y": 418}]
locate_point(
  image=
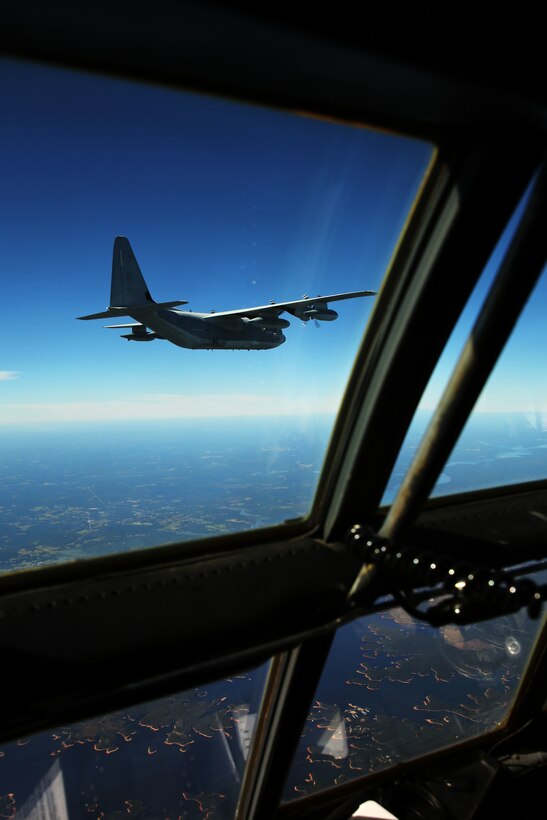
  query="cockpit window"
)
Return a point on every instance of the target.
[
  {"x": 504, "y": 441},
  {"x": 395, "y": 688},
  {"x": 228, "y": 238},
  {"x": 181, "y": 756}
]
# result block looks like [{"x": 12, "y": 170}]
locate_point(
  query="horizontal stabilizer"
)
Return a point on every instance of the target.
[
  {"x": 149, "y": 307},
  {"x": 106, "y": 314}
]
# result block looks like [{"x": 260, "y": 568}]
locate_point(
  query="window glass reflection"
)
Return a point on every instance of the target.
[
  {"x": 394, "y": 689},
  {"x": 181, "y": 756}
]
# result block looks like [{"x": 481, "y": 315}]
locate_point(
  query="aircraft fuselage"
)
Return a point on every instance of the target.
[{"x": 198, "y": 331}]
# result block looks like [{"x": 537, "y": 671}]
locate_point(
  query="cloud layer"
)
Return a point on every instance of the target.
[{"x": 167, "y": 406}]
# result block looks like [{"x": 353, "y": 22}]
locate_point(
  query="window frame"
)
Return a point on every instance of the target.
[{"x": 473, "y": 167}]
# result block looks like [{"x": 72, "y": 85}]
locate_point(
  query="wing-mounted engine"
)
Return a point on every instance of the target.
[
  {"x": 269, "y": 322},
  {"x": 139, "y": 336},
  {"x": 139, "y": 333},
  {"x": 319, "y": 311}
]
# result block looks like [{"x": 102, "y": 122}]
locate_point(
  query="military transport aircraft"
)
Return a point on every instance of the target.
[{"x": 255, "y": 328}]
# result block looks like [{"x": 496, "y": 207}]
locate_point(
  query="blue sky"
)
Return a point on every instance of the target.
[{"x": 225, "y": 205}]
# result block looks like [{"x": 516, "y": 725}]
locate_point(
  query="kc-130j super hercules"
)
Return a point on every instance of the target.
[{"x": 255, "y": 328}]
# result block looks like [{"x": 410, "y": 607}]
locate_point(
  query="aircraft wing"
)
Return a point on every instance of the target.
[{"x": 275, "y": 308}]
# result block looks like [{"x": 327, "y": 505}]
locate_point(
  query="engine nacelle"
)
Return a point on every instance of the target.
[
  {"x": 321, "y": 314},
  {"x": 140, "y": 337},
  {"x": 270, "y": 322}
]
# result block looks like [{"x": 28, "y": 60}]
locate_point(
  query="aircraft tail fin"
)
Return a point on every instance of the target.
[
  {"x": 128, "y": 286},
  {"x": 129, "y": 294}
]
